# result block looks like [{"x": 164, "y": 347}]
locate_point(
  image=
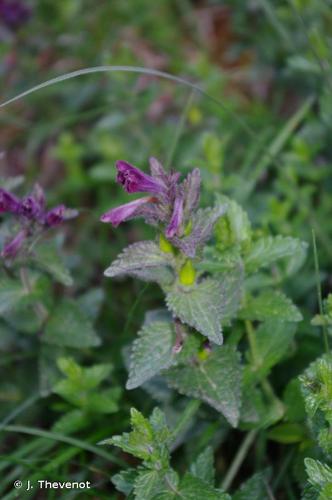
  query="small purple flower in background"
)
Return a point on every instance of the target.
[
  {"x": 32, "y": 215},
  {"x": 14, "y": 13},
  {"x": 12, "y": 248}
]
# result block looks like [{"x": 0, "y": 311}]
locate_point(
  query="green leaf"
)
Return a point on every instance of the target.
[
  {"x": 235, "y": 227},
  {"x": 288, "y": 433},
  {"x": 193, "y": 488},
  {"x": 270, "y": 304},
  {"x": 104, "y": 402},
  {"x": 148, "y": 439},
  {"x": 69, "y": 326},
  {"x": 318, "y": 472},
  {"x": 203, "y": 467},
  {"x": 269, "y": 249},
  {"x": 272, "y": 344},
  {"x": 151, "y": 352},
  {"x": 124, "y": 480},
  {"x": 46, "y": 257},
  {"x": 255, "y": 488},
  {"x": 91, "y": 302},
  {"x": 148, "y": 484},
  {"x": 200, "y": 306},
  {"x": 217, "y": 381},
  {"x": 70, "y": 422},
  {"x": 143, "y": 260},
  {"x": 11, "y": 294}
]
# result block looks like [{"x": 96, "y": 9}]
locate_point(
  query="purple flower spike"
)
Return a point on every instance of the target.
[
  {"x": 11, "y": 249},
  {"x": 177, "y": 218},
  {"x": 55, "y": 216},
  {"x": 30, "y": 208},
  {"x": 119, "y": 214},
  {"x": 8, "y": 202},
  {"x": 136, "y": 181}
]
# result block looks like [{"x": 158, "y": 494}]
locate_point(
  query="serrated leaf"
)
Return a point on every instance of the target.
[
  {"x": 151, "y": 352},
  {"x": 199, "y": 307},
  {"x": 148, "y": 439},
  {"x": 217, "y": 381},
  {"x": 268, "y": 305},
  {"x": 193, "y": 488},
  {"x": 272, "y": 248},
  {"x": 143, "y": 260},
  {"x": 46, "y": 257},
  {"x": 287, "y": 433},
  {"x": 148, "y": 484},
  {"x": 319, "y": 473},
  {"x": 203, "y": 467},
  {"x": 69, "y": 326},
  {"x": 202, "y": 226}
]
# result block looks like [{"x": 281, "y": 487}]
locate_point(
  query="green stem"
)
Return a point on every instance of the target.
[
  {"x": 183, "y": 422},
  {"x": 319, "y": 293},
  {"x": 238, "y": 459},
  {"x": 252, "y": 343}
]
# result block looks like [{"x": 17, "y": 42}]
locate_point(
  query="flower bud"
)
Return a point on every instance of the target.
[{"x": 187, "y": 274}]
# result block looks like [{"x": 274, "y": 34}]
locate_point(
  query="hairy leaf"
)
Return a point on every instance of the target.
[
  {"x": 268, "y": 305},
  {"x": 217, "y": 381},
  {"x": 200, "y": 307},
  {"x": 272, "y": 248},
  {"x": 143, "y": 260},
  {"x": 151, "y": 352},
  {"x": 193, "y": 488},
  {"x": 11, "y": 293}
]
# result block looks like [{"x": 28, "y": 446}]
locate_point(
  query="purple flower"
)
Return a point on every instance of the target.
[
  {"x": 175, "y": 224},
  {"x": 8, "y": 202},
  {"x": 30, "y": 208},
  {"x": 32, "y": 216},
  {"x": 14, "y": 13},
  {"x": 119, "y": 214},
  {"x": 55, "y": 216},
  {"x": 11, "y": 249},
  {"x": 136, "y": 181}
]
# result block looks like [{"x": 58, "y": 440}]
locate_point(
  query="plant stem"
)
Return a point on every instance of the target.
[
  {"x": 39, "y": 308},
  {"x": 188, "y": 413},
  {"x": 238, "y": 459},
  {"x": 252, "y": 342},
  {"x": 319, "y": 293}
]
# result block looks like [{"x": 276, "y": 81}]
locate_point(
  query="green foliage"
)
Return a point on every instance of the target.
[
  {"x": 151, "y": 352},
  {"x": 70, "y": 326},
  {"x": 216, "y": 380},
  {"x": 320, "y": 479},
  {"x": 316, "y": 383},
  {"x": 81, "y": 389},
  {"x": 268, "y": 305},
  {"x": 150, "y": 441}
]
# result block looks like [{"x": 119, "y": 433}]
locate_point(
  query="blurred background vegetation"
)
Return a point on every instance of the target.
[{"x": 263, "y": 139}]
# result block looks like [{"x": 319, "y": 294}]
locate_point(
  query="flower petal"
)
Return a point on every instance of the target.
[
  {"x": 11, "y": 249},
  {"x": 136, "y": 181},
  {"x": 177, "y": 217},
  {"x": 119, "y": 214},
  {"x": 9, "y": 202}
]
